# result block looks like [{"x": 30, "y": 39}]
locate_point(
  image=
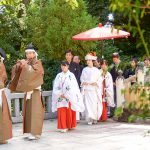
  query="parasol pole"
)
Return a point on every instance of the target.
[{"x": 102, "y": 47}]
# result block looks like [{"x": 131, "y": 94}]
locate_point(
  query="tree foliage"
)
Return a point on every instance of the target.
[
  {"x": 72, "y": 3},
  {"x": 10, "y": 35},
  {"x": 99, "y": 8},
  {"x": 136, "y": 13},
  {"x": 52, "y": 23}
]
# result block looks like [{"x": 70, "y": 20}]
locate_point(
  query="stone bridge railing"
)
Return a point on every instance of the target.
[{"x": 15, "y": 102}]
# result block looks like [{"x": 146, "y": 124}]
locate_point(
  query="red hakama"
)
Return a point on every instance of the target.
[
  {"x": 104, "y": 112},
  {"x": 66, "y": 118}
]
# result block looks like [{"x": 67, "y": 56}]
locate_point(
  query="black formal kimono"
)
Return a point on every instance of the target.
[
  {"x": 76, "y": 70},
  {"x": 114, "y": 72}
]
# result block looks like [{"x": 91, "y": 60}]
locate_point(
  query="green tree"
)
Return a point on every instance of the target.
[
  {"x": 98, "y": 8},
  {"x": 10, "y": 36},
  {"x": 52, "y": 23},
  {"x": 12, "y": 25},
  {"x": 137, "y": 14}
]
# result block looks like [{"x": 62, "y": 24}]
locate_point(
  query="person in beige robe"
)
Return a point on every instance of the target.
[
  {"x": 27, "y": 76},
  {"x": 5, "y": 118}
]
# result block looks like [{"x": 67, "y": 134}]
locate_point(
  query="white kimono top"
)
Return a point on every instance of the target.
[
  {"x": 109, "y": 90},
  {"x": 66, "y": 84},
  {"x": 91, "y": 75}
]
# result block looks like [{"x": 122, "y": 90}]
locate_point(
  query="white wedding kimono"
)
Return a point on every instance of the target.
[
  {"x": 66, "y": 84},
  {"x": 92, "y": 94},
  {"x": 109, "y": 90}
]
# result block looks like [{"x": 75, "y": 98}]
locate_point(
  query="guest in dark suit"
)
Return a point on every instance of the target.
[
  {"x": 115, "y": 67},
  {"x": 114, "y": 71},
  {"x": 73, "y": 67},
  {"x": 77, "y": 60}
]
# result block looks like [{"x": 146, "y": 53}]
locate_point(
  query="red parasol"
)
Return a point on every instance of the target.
[{"x": 101, "y": 33}]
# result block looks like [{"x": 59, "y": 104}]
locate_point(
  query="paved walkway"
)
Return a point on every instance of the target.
[{"x": 103, "y": 136}]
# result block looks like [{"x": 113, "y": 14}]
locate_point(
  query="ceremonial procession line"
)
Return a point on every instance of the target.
[{"x": 108, "y": 135}]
